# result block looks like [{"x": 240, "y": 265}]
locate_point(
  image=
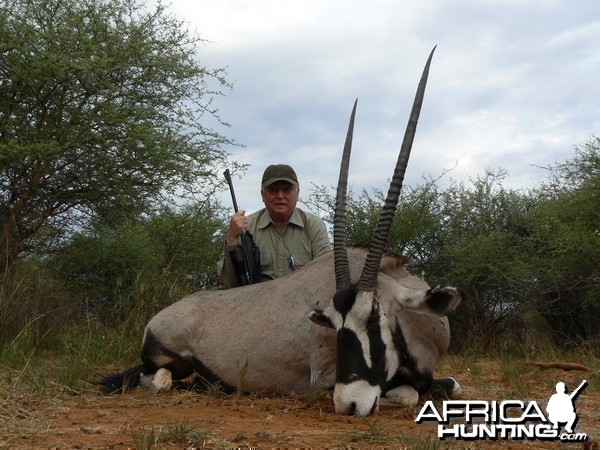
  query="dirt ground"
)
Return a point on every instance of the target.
[{"x": 199, "y": 420}]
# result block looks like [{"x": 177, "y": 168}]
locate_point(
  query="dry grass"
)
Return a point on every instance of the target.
[{"x": 46, "y": 413}]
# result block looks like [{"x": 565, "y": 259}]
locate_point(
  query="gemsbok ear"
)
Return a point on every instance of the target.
[{"x": 318, "y": 317}]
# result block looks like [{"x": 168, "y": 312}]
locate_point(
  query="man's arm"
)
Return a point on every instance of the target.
[
  {"x": 320, "y": 239},
  {"x": 225, "y": 267}
]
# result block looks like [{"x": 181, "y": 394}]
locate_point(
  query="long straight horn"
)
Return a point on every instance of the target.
[
  {"x": 380, "y": 236},
  {"x": 342, "y": 266}
]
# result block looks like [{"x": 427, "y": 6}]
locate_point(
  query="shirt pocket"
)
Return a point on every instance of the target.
[
  {"x": 267, "y": 262},
  {"x": 301, "y": 258}
]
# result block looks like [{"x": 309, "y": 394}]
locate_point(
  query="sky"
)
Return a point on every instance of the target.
[{"x": 514, "y": 85}]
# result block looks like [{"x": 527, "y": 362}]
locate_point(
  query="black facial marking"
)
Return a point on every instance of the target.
[
  {"x": 321, "y": 319},
  {"x": 410, "y": 373},
  {"x": 438, "y": 300},
  {"x": 343, "y": 300},
  {"x": 376, "y": 345},
  {"x": 351, "y": 362}
]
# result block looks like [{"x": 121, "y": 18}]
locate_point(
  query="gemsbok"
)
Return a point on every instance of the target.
[{"x": 376, "y": 336}]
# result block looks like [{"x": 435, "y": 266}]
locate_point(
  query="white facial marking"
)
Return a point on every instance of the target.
[{"x": 356, "y": 320}]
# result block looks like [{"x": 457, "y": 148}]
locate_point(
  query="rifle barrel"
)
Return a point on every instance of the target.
[
  {"x": 576, "y": 391},
  {"x": 227, "y": 176}
]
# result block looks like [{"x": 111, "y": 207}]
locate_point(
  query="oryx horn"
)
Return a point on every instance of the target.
[
  {"x": 368, "y": 276},
  {"x": 342, "y": 266}
]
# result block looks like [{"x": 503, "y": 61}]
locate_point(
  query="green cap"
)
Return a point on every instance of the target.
[{"x": 279, "y": 172}]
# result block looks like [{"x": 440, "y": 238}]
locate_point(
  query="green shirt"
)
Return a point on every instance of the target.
[{"x": 303, "y": 239}]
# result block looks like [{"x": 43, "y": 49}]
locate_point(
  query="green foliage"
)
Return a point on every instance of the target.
[
  {"x": 565, "y": 288},
  {"x": 145, "y": 263},
  {"x": 120, "y": 276},
  {"x": 482, "y": 241},
  {"x": 528, "y": 261},
  {"x": 413, "y": 231},
  {"x": 104, "y": 109}
]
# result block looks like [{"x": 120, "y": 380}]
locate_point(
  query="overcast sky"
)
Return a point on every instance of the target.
[{"x": 514, "y": 84}]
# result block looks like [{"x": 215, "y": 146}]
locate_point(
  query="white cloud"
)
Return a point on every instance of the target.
[{"x": 513, "y": 84}]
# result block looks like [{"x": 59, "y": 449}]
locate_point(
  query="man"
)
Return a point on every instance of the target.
[
  {"x": 560, "y": 407},
  {"x": 287, "y": 236}
]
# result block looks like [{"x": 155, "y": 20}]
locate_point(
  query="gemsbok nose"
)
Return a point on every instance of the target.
[{"x": 352, "y": 410}]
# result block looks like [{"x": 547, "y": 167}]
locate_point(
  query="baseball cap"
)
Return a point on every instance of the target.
[{"x": 279, "y": 172}]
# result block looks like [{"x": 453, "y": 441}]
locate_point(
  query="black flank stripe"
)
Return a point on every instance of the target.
[{"x": 180, "y": 367}]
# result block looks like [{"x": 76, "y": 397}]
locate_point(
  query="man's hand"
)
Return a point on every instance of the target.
[{"x": 237, "y": 226}]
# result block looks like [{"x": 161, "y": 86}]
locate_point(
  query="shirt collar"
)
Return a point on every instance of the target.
[{"x": 264, "y": 219}]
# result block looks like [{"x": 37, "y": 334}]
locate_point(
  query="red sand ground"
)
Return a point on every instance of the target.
[{"x": 196, "y": 420}]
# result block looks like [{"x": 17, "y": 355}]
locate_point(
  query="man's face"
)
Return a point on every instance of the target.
[{"x": 280, "y": 199}]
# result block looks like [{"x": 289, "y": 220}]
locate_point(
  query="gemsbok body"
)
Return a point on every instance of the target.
[{"x": 376, "y": 332}]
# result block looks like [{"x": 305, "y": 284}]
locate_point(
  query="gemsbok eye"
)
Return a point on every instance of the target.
[{"x": 374, "y": 312}]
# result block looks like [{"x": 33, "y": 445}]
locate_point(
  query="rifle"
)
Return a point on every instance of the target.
[
  {"x": 246, "y": 257},
  {"x": 576, "y": 391}
]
